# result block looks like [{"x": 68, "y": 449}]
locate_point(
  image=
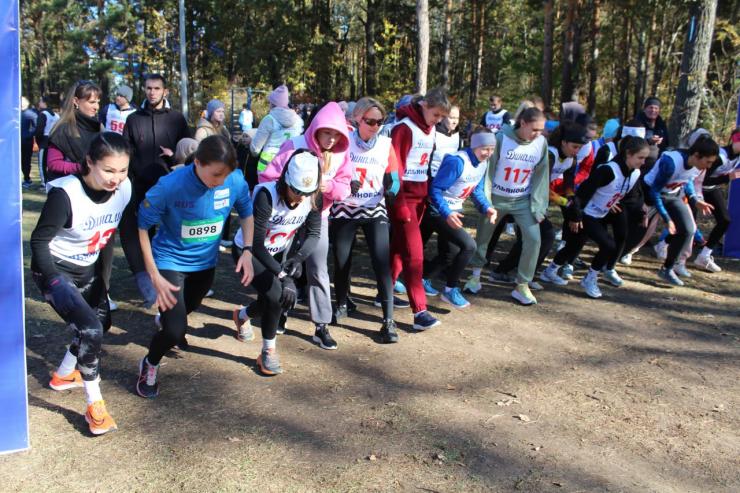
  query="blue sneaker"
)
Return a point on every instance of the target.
[
  {"x": 428, "y": 288},
  {"x": 399, "y": 287},
  {"x": 455, "y": 298},
  {"x": 424, "y": 320}
]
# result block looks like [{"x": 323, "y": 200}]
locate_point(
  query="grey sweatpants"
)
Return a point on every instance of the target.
[{"x": 317, "y": 273}]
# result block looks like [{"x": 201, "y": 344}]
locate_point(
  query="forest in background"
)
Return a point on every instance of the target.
[{"x": 612, "y": 54}]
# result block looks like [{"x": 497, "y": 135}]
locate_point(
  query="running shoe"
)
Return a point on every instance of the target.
[
  {"x": 26, "y": 183},
  {"x": 282, "y": 327},
  {"x": 591, "y": 285},
  {"x": 579, "y": 264},
  {"x": 388, "y": 333},
  {"x": 551, "y": 275},
  {"x": 706, "y": 262},
  {"x": 567, "y": 272},
  {"x": 71, "y": 381},
  {"x": 428, "y": 288},
  {"x": 98, "y": 418},
  {"x": 472, "y": 285},
  {"x": 670, "y": 276},
  {"x": 268, "y": 363},
  {"x": 680, "y": 269},
  {"x": 340, "y": 312},
  {"x": 323, "y": 338},
  {"x": 146, "y": 385},
  {"x": 112, "y": 305},
  {"x": 351, "y": 305},
  {"x": 424, "y": 321},
  {"x": 244, "y": 331},
  {"x": 613, "y": 278},
  {"x": 661, "y": 250},
  {"x": 397, "y": 302},
  {"x": 510, "y": 229},
  {"x": 504, "y": 277},
  {"x": 209, "y": 293},
  {"x": 626, "y": 259},
  {"x": 399, "y": 287},
  {"x": 455, "y": 298},
  {"x": 535, "y": 286},
  {"x": 523, "y": 295}
]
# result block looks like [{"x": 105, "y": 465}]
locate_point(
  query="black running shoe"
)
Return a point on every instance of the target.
[
  {"x": 388, "y": 334},
  {"x": 351, "y": 306},
  {"x": 323, "y": 338},
  {"x": 397, "y": 302},
  {"x": 340, "y": 312},
  {"x": 146, "y": 385}
]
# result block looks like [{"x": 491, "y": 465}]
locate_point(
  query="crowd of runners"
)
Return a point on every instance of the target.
[{"x": 303, "y": 185}]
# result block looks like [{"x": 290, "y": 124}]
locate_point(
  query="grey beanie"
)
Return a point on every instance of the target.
[
  {"x": 125, "y": 92},
  {"x": 212, "y": 106}
]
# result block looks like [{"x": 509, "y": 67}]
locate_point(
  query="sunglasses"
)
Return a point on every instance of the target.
[{"x": 373, "y": 123}]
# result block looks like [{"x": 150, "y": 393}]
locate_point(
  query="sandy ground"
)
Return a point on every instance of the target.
[{"x": 636, "y": 392}]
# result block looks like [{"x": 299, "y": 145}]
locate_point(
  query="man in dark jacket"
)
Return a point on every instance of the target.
[
  {"x": 28, "y": 128},
  {"x": 656, "y": 131},
  {"x": 153, "y": 133}
]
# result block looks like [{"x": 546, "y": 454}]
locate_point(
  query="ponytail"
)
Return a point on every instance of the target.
[{"x": 103, "y": 145}]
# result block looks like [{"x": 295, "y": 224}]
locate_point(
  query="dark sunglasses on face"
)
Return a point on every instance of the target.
[{"x": 373, "y": 123}]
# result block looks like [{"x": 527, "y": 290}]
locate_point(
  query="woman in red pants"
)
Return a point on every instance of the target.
[{"x": 413, "y": 142}]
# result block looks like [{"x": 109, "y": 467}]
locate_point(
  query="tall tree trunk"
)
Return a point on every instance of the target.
[
  {"x": 371, "y": 73},
  {"x": 641, "y": 67},
  {"x": 478, "y": 31},
  {"x": 446, "y": 42},
  {"x": 569, "y": 34},
  {"x": 625, "y": 78},
  {"x": 694, "y": 64},
  {"x": 422, "y": 45},
  {"x": 547, "y": 53},
  {"x": 594, "y": 57}
]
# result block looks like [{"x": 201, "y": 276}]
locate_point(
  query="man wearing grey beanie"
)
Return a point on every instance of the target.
[{"x": 114, "y": 115}]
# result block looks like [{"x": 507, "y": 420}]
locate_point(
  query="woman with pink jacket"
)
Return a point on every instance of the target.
[{"x": 327, "y": 136}]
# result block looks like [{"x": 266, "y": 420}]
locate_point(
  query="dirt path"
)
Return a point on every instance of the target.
[{"x": 637, "y": 392}]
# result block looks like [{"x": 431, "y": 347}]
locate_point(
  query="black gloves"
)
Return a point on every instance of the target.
[
  {"x": 288, "y": 296},
  {"x": 354, "y": 186},
  {"x": 293, "y": 267}
]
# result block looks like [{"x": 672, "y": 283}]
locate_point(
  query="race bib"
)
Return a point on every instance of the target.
[{"x": 202, "y": 231}]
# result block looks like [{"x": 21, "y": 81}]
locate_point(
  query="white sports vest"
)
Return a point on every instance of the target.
[
  {"x": 284, "y": 221},
  {"x": 495, "y": 121},
  {"x": 678, "y": 179},
  {"x": 516, "y": 163},
  {"x": 370, "y": 166},
  {"x": 560, "y": 166},
  {"x": 51, "y": 119},
  {"x": 611, "y": 193},
  {"x": 417, "y": 160},
  {"x": 460, "y": 190},
  {"x": 92, "y": 224},
  {"x": 443, "y": 145},
  {"x": 116, "y": 119}
]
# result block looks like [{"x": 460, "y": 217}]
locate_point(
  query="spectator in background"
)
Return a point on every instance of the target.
[
  {"x": 213, "y": 123},
  {"x": 114, "y": 115},
  {"x": 656, "y": 130},
  {"x": 281, "y": 124},
  {"x": 496, "y": 117},
  {"x": 46, "y": 121},
  {"x": 28, "y": 129},
  {"x": 246, "y": 118}
]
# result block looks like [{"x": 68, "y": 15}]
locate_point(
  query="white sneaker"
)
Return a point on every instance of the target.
[
  {"x": 681, "y": 270},
  {"x": 472, "y": 285},
  {"x": 535, "y": 286},
  {"x": 510, "y": 229},
  {"x": 661, "y": 250},
  {"x": 567, "y": 272},
  {"x": 612, "y": 277},
  {"x": 209, "y": 293},
  {"x": 551, "y": 275},
  {"x": 591, "y": 285},
  {"x": 626, "y": 259},
  {"x": 705, "y": 262}
]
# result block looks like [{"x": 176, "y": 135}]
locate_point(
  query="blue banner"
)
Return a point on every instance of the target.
[
  {"x": 732, "y": 237},
  {"x": 13, "y": 390}
]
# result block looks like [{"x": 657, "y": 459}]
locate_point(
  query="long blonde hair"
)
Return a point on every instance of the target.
[{"x": 82, "y": 90}]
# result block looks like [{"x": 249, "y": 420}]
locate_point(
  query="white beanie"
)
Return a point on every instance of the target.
[{"x": 303, "y": 172}]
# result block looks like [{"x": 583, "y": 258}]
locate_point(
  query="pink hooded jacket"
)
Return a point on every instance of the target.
[{"x": 336, "y": 180}]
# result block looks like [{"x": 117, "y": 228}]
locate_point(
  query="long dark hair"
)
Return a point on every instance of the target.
[
  {"x": 84, "y": 90},
  {"x": 103, "y": 145}
]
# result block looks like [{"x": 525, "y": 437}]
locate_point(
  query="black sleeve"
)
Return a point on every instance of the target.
[
  {"x": 507, "y": 118},
  {"x": 313, "y": 230},
  {"x": 55, "y": 215},
  {"x": 262, "y": 210},
  {"x": 483, "y": 120},
  {"x": 598, "y": 178},
  {"x": 710, "y": 180},
  {"x": 103, "y": 115},
  {"x": 40, "y": 126},
  {"x": 602, "y": 155}
]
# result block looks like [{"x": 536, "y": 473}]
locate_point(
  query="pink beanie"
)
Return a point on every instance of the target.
[{"x": 279, "y": 97}]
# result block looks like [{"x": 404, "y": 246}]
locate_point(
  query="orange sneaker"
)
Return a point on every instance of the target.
[
  {"x": 244, "y": 332},
  {"x": 98, "y": 418},
  {"x": 70, "y": 381}
]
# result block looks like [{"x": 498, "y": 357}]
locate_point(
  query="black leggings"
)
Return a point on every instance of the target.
[
  {"x": 715, "y": 197},
  {"x": 680, "y": 214},
  {"x": 89, "y": 318},
  {"x": 342, "y": 236},
  {"x": 597, "y": 229},
  {"x": 511, "y": 261},
  {"x": 456, "y": 248},
  {"x": 193, "y": 288}
]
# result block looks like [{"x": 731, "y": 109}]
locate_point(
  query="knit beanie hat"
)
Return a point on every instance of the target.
[
  {"x": 125, "y": 92},
  {"x": 279, "y": 97},
  {"x": 610, "y": 128},
  {"x": 651, "y": 101},
  {"x": 212, "y": 106},
  {"x": 575, "y": 133},
  {"x": 303, "y": 172}
]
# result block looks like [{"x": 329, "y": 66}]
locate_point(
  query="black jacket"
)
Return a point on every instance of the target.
[
  {"x": 660, "y": 129},
  {"x": 147, "y": 130}
]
